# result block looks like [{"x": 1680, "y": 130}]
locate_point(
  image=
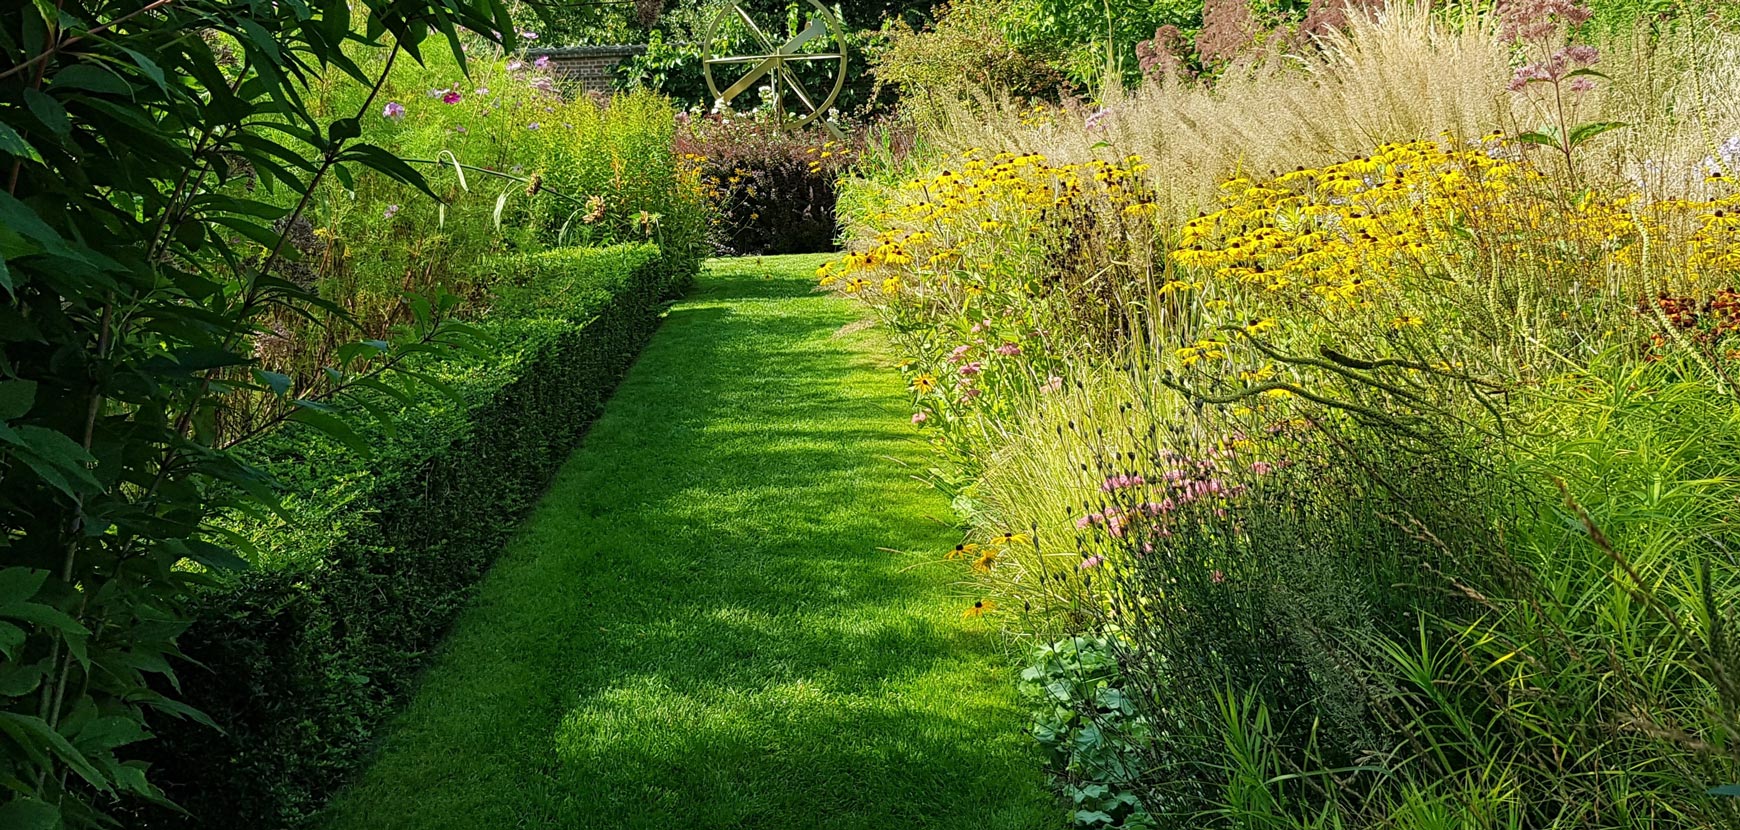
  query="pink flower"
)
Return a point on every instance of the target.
[
  {"x": 482, "y": 90},
  {"x": 972, "y": 392},
  {"x": 1262, "y": 468},
  {"x": 919, "y": 417},
  {"x": 1052, "y": 384},
  {"x": 543, "y": 62},
  {"x": 1216, "y": 576},
  {"x": 959, "y": 354},
  {"x": 1009, "y": 349},
  {"x": 972, "y": 369},
  {"x": 515, "y": 65},
  {"x": 1092, "y": 561},
  {"x": 532, "y": 126},
  {"x": 452, "y": 96},
  {"x": 393, "y": 110},
  {"x": 390, "y": 211},
  {"x": 1581, "y": 85},
  {"x": 528, "y": 34}
]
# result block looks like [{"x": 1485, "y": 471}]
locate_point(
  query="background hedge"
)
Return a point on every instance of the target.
[{"x": 310, "y": 653}]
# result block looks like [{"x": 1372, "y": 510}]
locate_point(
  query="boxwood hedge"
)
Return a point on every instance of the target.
[{"x": 302, "y": 659}]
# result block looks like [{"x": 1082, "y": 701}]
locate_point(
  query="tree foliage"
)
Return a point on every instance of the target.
[{"x": 141, "y": 145}]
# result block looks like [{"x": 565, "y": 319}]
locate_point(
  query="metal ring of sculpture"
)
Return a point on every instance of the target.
[{"x": 775, "y": 63}]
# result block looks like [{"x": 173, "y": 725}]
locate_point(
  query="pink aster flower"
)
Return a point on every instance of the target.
[
  {"x": 972, "y": 368},
  {"x": 452, "y": 96},
  {"x": 543, "y": 62},
  {"x": 528, "y": 34},
  {"x": 1262, "y": 468},
  {"x": 1009, "y": 349},
  {"x": 393, "y": 110},
  {"x": 919, "y": 417},
  {"x": 1092, "y": 562},
  {"x": 390, "y": 212},
  {"x": 515, "y": 65}
]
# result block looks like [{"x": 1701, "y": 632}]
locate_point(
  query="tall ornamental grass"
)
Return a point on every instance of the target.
[{"x": 1373, "y": 409}]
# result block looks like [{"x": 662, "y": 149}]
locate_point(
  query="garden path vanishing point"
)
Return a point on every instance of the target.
[{"x": 702, "y": 625}]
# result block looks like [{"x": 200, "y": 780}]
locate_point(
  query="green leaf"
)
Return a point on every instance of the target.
[
  {"x": 278, "y": 382},
  {"x": 11, "y": 637},
  {"x": 1545, "y": 139},
  {"x": 26, "y": 813},
  {"x": 381, "y": 161},
  {"x": 106, "y": 733},
  {"x": 20, "y": 584},
  {"x": 91, "y": 78},
  {"x": 14, "y": 144},
  {"x": 28, "y": 727},
  {"x": 18, "y": 681},
  {"x": 334, "y": 427},
  {"x": 350, "y": 352},
  {"x": 149, "y": 68},
  {"x": 344, "y": 129},
  {"x": 56, "y": 459},
  {"x": 48, "y": 111},
  {"x": 16, "y": 397},
  {"x": 215, "y": 557},
  {"x": 1588, "y": 131},
  {"x": 45, "y": 616}
]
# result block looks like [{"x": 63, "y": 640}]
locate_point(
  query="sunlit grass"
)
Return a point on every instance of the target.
[{"x": 703, "y": 626}]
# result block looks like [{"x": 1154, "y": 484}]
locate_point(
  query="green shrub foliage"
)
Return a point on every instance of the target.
[
  {"x": 304, "y": 658},
  {"x": 144, "y": 148}
]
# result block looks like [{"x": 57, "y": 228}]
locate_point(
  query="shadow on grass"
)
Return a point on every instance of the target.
[{"x": 702, "y": 625}]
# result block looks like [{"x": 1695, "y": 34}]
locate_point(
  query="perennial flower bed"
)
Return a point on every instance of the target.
[{"x": 1336, "y": 476}]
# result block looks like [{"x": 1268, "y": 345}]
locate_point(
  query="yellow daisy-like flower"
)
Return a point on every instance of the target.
[
  {"x": 924, "y": 384},
  {"x": 1007, "y": 539},
  {"x": 987, "y": 559},
  {"x": 979, "y": 609},
  {"x": 962, "y": 551}
]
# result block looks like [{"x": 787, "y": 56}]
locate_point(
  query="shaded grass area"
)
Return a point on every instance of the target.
[{"x": 700, "y": 627}]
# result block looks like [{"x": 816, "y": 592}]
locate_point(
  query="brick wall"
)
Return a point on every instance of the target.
[{"x": 588, "y": 66}]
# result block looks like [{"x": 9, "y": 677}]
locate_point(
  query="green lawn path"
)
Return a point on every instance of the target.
[{"x": 701, "y": 626}]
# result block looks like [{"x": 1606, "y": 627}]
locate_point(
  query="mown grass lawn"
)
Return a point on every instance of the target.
[{"x": 703, "y": 625}]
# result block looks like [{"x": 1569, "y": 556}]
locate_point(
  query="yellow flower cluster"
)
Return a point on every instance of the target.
[
  {"x": 839, "y": 151},
  {"x": 1346, "y": 231},
  {"x": 942, "y": 219},
  {"x": 1338, "y": 231},
  {"x": 1713, "y": 245}
]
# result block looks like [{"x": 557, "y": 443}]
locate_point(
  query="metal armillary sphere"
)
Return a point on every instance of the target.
[{"x": 779, "y": 64}]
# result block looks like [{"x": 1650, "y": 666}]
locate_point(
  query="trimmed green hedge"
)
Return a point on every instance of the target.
[{"x": 307, "y": 656}]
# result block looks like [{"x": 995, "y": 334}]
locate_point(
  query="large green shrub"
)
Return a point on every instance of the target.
[
  {"x": 773, "y": 189},
  {"x": 156, "y": 157},
  {"x": 304, "y": 658}
]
